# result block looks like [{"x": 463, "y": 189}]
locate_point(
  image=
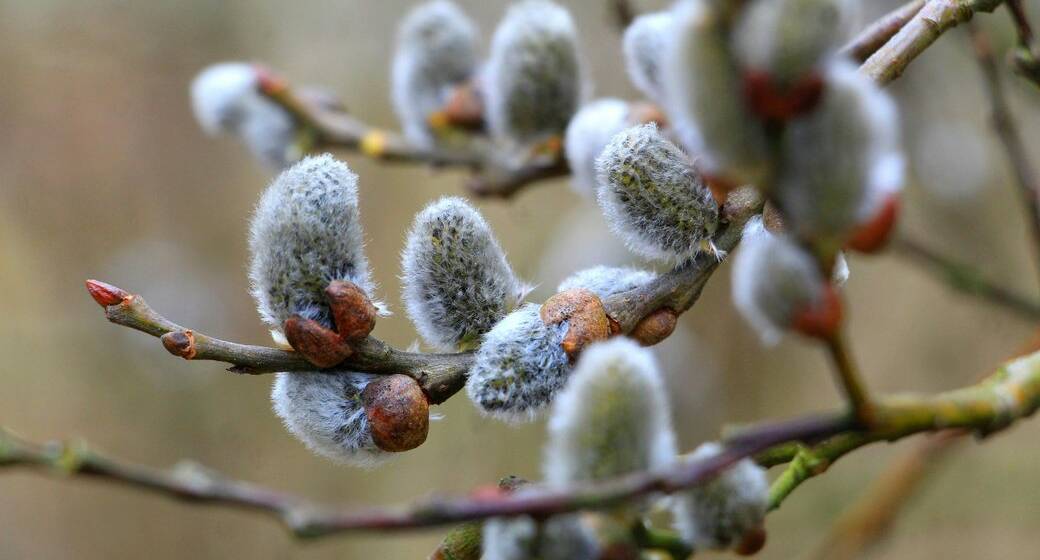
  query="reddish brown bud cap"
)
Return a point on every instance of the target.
[
  {"x": 106, "y": 294},
  {"x": 352, "y": 311},
  {"x": 655, "y": 327},
  {"x": 752, "y": 542},
  {"x": 267, "y": 81},
  {"x": 873, "y": 235},
  {"x": 398, "y": 412},
  {"x": 769, "y": 101},
  {"x": 587, "y": 319},
  {"x": 319, "y": 345},
  {"x": 180, "y": 343},
  {"x": 464, "y": 108},
  {"x": 823, "y": 319},
  {"x": 641, "y": 112}
]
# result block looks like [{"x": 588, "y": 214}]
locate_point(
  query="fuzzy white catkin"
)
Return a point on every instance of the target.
[
  {"x": 533, "y": 82},
  {"x": 605, "y": 281},
  {"x": 519, "y": 366},
  {"x": 645, "y": 39},
  {"x": 436, "y": 50},
  {"x": 587, "y": 135},
  {"x": 653, "y": 198},
  {"x": 703, "y": 95},
  {"x": 225, "y": 98},
  {"x": 457, "y": 281},
  {"x": 842, "y": 160},
  {"x": 773, "y": 278},
  {"x": 612, "y": 417},
  {"x": 306, "y": 232},
  {"x": 561, "y": 537},
  {"x": 788, "y": 39},
  {"x": 324, "y": 410},
  {"x": 715, "y": 516}
]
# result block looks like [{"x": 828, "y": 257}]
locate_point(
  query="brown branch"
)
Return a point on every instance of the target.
[
  {"x": 622, "y": 13},
  {"x": 966, "y": 278},
  {"x": 1025, "y": 59},
  {"x": 935, "y": 18},
  {"x": 307, "y": 519},
  {"x": 440, "y": 375},
  {"x": 875, "y": 35},
  {"x": 1004, "y": 125}
]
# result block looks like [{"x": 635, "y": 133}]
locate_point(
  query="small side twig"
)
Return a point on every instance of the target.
[
  {"x": 966, "y": 278},
  {"x": 849, "y": 378},
  {"x": 1025, "y": 59},
  {"x": 875, "y": 35},
  {"x": 1026, "y": 177}
]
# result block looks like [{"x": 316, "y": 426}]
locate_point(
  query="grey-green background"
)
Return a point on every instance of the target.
[{"x": 103, "y": 173}]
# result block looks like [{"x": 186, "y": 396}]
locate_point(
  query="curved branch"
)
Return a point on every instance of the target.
[
  {"x": 1010, "y": 394},
  {"x": 875, "y": 35}
]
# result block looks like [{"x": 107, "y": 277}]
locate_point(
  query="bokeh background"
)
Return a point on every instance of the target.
[{"x": 104, "y": 174}]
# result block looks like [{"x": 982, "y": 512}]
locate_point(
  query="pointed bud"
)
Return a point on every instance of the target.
[
  {"x": 457, "y": 281},
  {"x": 321, "y": 346},
  {"x": 842, "y": 161},
  {"x": 645, "y": 39},
  {"x": 226, "y": 97},
  {"x": 398, "y": 413},
  {"x": 106, "y": 294},
  {"x": 586, "y": 319},
  {"x": 519, "y": 367},
  {"x": 534, "y": 74},
  {"x": 436, "y": 50},
  {"x": 703, "y": 96},
  {"x": 326, "y": 412},
  {"x": 588, "y": 134},
  {"x": 872, "y": 236},
  {"x": 352, "y": 311},
  {"x": 728, "y": 510},
  {"x": 305, "y": 233},
  {"x": 652, "y": 196},
  {"x": 617, "y": 389},
  {"x": 784, "y": 42},
  {"x": 777, "y": 286}
]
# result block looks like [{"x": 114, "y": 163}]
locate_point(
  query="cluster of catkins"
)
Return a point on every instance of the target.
[
  {"x": 613, "y": 419},
  {"x": 516, "y": 102}
]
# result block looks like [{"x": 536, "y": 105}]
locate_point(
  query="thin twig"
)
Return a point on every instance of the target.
[
  {"x": 875, "y": 35},
  {"x": 849, "y": 378},
  {"x": 934, "y": 19},
  {"x": 966, "y": 278},
  {"x": 1025, "y": 59},
  {"x": 1010, "y": 394},
  {"x": 1004, "y": 125}
]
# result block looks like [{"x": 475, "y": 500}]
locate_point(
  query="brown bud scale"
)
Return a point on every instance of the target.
[
  {"x": 587, "y": 319},
  {"x": 397, "y": 411},
  {"x": 321, "y": 346},
  {"x": 106, "y": 294},
  {"x": 352, "y": 311},
  {"x": 655, "y": 327},
  {"x": 180, "y": 343}
]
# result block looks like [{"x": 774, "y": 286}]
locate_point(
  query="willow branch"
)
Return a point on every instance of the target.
[
  {"x": 966, "y": 278},
  {"x": 1025, "y": 59},
  {"x": 870, "y": 519},
  {"x": 1026, "y": 178},
  {"x": 935, "y": 18},
  {"x": 307, "y": 519},
  {"x": 850, "y": 380},
  {"x": 1010, "y": 394},
  {"x": 875, "y": 35},
  {"x": 440, "y": 375}
]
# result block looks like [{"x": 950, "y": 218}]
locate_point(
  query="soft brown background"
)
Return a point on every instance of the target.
[{"x": 103, "y": 173}]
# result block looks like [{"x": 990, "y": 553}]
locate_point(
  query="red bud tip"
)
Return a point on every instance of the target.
[
  {"x": 267, "y": 81},
  {"x": 822, "y": 320},
  {"x": 106, "y": 294},
  {"x": 770, "y": 102},
  {"x": 873, "y": 235},
  {"x": 752, "y": 542}
]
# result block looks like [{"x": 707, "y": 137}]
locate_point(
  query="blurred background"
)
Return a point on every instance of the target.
[{"x": 104, "y": 174}]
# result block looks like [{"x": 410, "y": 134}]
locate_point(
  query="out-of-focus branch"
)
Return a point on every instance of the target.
[
  {"x": 810, "y": 444},
  {"x": 622, "y": 12},
  {"x": 1026, "y": 57},
  {"x": 870, "y": 519},
  {"x": 494, "y": 173},
  {"x": 1004, "y": 125},
  {"x": 875, "y": 35},
  {"x": 966, "y": 278},
  {"x": 935, "y": 18}
]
